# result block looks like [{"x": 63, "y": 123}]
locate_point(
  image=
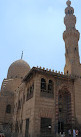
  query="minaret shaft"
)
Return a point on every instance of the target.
[{"x": 71, "y": 38}]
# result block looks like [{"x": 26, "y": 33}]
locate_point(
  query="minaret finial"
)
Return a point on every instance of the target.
[
  {"x": 68, "y": 3},
  {"x": 22, "y": 55}
]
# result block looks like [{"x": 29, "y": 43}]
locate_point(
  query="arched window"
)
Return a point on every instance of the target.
[
  {"x": 43, "y": 84},
  {"x": 50, "y": 86},
  {"x": 8, "y": 109}
]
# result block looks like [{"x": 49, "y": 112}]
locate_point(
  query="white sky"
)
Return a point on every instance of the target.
[{"x": 36, "y": 27}]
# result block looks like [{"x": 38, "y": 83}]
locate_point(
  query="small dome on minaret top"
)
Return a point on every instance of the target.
[
  {"x": 69, "y": 9},
  {"x": 70, "y": 19},
  {"x": 68, "y": 3}
]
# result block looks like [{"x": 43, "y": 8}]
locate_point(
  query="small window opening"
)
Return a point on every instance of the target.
[
  {"x": 50, "y": 86},
  {"x": 27, "y": 128},
  {"x": 67, "y": 51},
  {"x": 43, "y": 84},
  {"x": 60, "y": 110},
  {"x": 8, "y": 109},
  {"x": 30, "y": 91},
  {"x": 19, "y": 104},
  {"x": 60, "y": 96},
  {"x": 68, "y": 12},
  {"x": 71, "y": 12},
  {"x": 67, "y": 72}
]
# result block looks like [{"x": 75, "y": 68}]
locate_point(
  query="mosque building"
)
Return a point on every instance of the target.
[{"x": 37, "y": 102}]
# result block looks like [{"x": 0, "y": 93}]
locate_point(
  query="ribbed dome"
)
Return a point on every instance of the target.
[{"x": 18, "y": 69}]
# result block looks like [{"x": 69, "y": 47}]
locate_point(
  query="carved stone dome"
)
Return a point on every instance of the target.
[{"x": 18, "y": 69}]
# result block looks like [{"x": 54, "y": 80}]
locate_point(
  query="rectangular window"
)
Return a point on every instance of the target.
[
  {"x": 46, "y": 126},
  {"x": 27, "y": 128},
  {"x": 30, "y": 91}
]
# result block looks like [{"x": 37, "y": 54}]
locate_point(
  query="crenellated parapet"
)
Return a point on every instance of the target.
[
  {"x": 48, "y": 70},
  {"x": 54, "y": 72}
]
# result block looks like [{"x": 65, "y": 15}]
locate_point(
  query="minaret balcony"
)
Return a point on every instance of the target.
[{"x": 71, "y": 33}]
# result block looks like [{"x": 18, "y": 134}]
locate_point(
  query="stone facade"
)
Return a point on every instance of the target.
[
  {"x": 43, "y": 104},
  {"x": 38, "y": 102}
]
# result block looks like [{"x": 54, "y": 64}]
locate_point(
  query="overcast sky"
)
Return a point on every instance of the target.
[{"x": 36, "y": 27}]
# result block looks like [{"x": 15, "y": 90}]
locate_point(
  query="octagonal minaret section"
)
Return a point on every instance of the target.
[{"x": 71, "y": 38}]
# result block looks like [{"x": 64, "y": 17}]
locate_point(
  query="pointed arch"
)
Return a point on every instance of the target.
[{"x": 64, "y": 109}]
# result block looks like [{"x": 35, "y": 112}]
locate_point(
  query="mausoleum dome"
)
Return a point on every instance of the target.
[{"x": 18, "y": 69}]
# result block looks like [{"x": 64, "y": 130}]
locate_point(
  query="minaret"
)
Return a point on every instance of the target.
[{"x": 71, "y": 38}]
